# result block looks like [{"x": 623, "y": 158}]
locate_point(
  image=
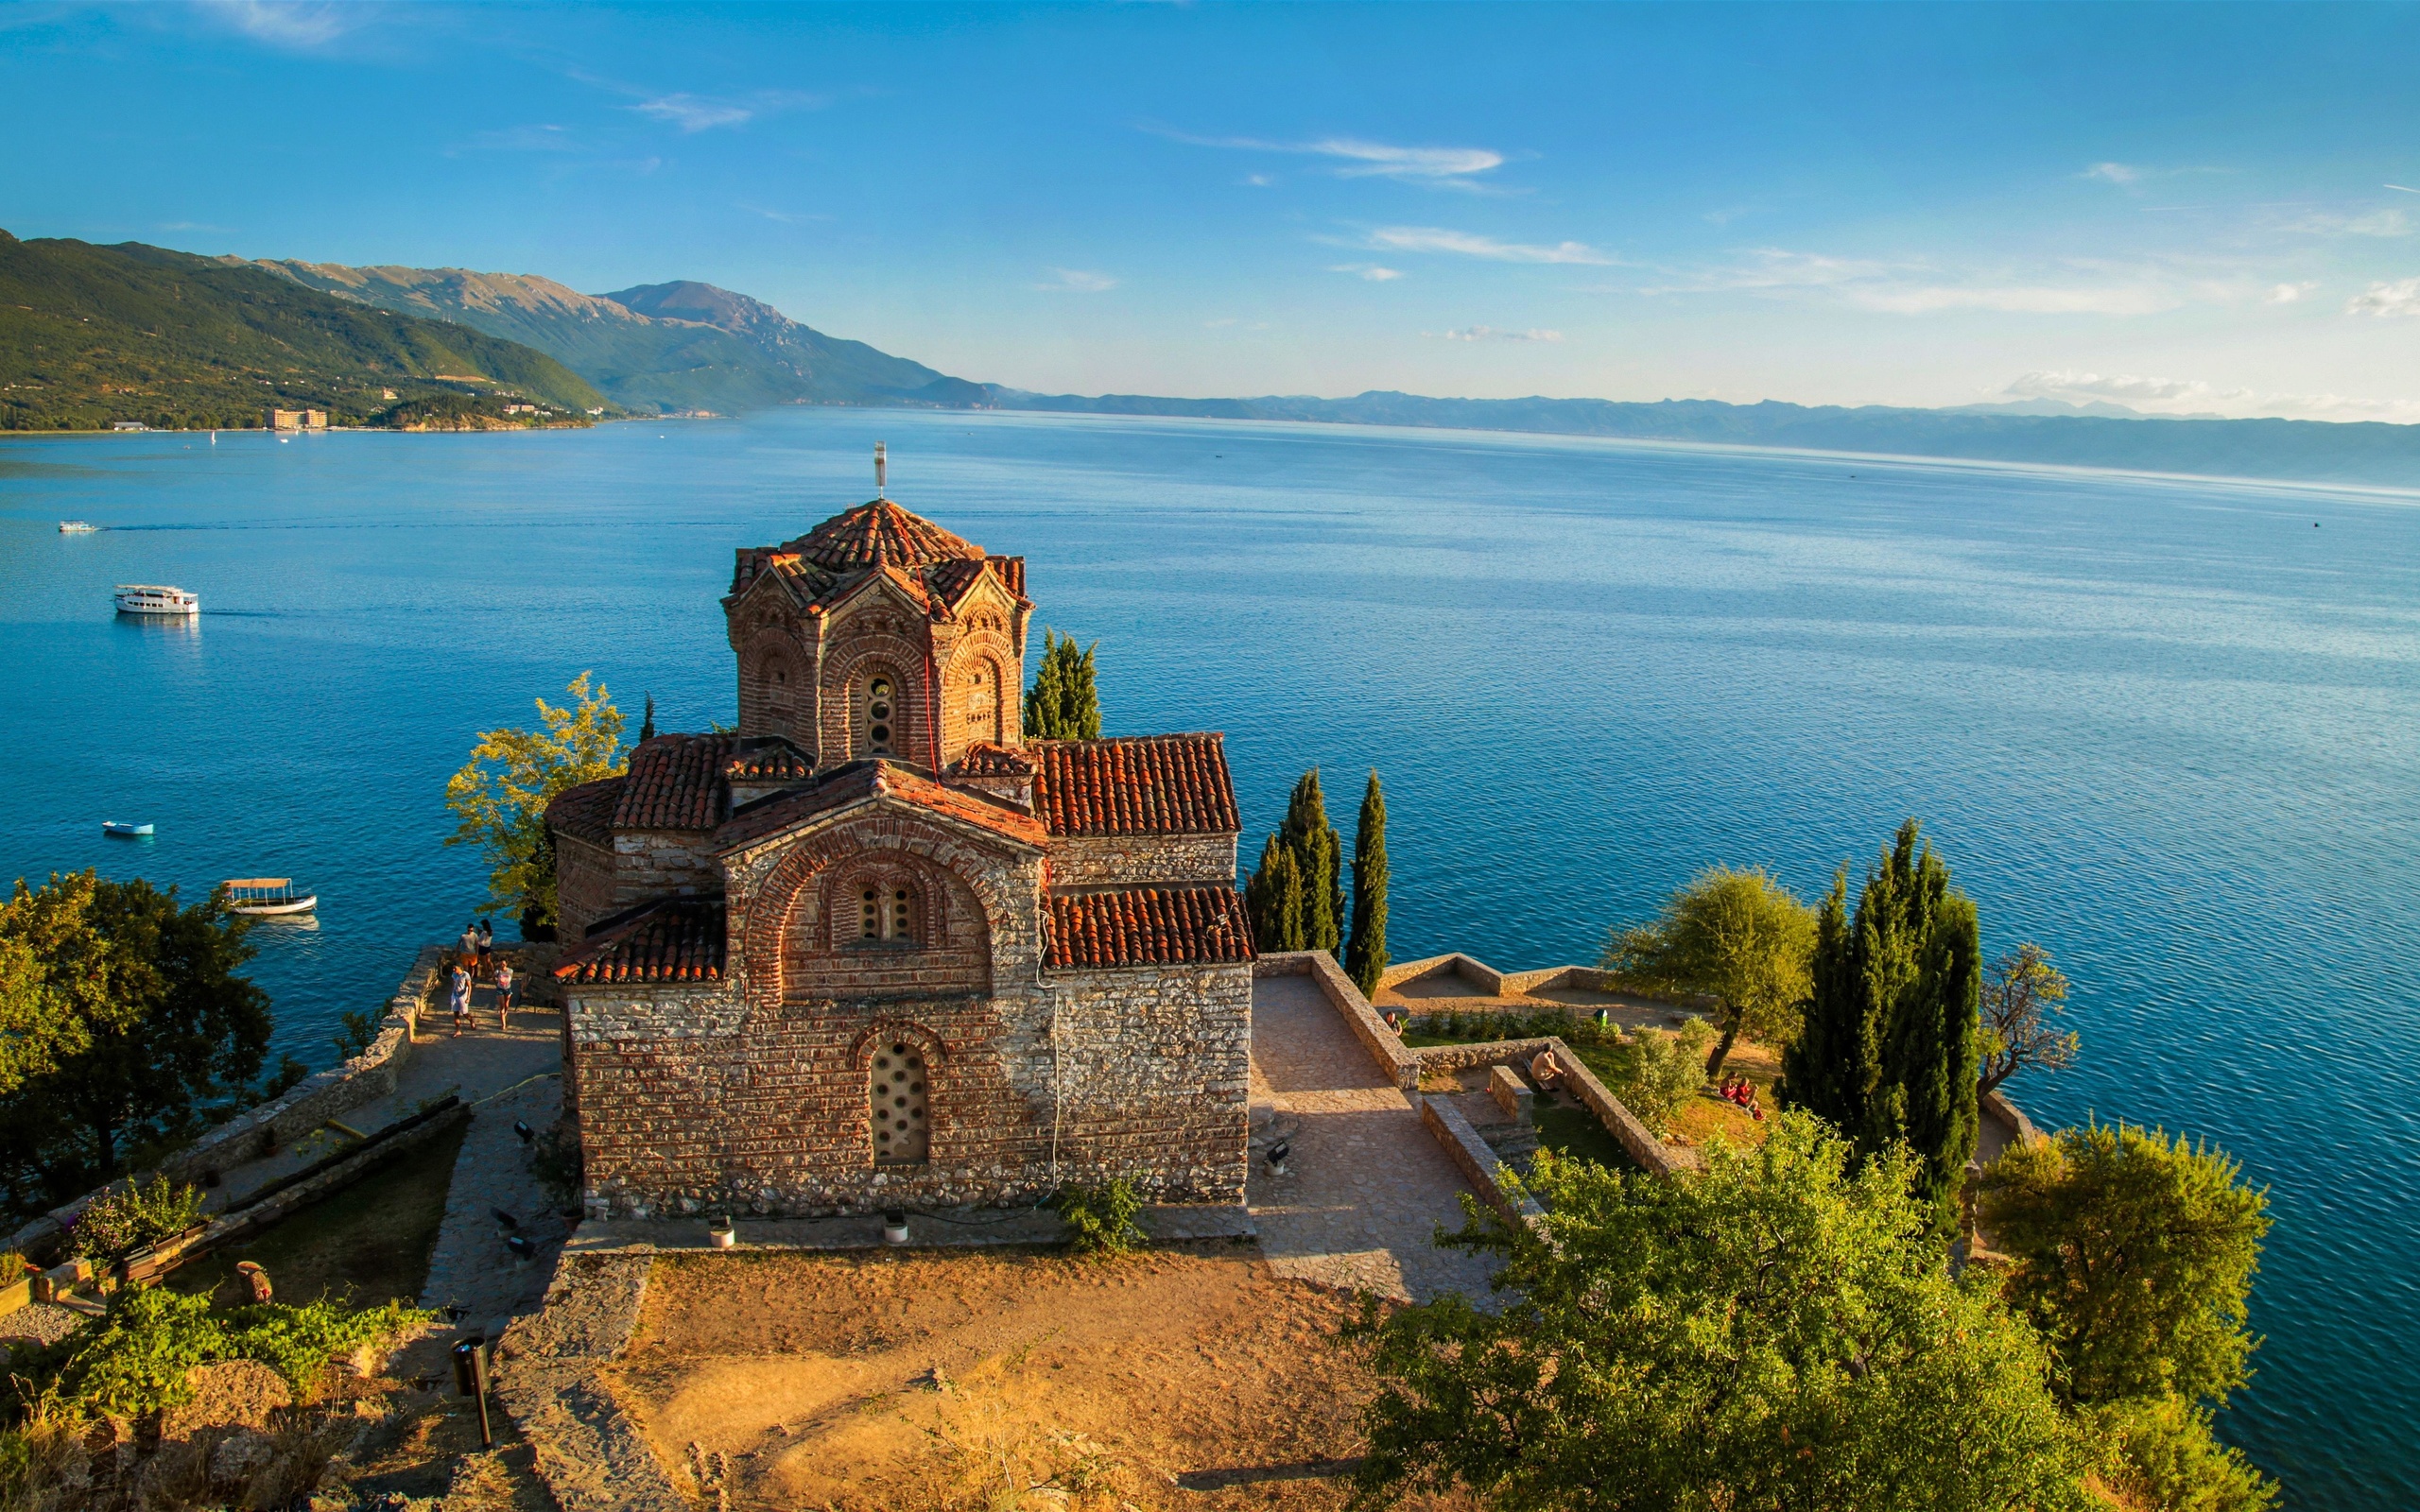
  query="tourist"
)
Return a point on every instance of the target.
[
  {"x": 504, "y": 995},
  {"x": 461, "y": 998},
  {"x": 487, "y": 944},
  {"x": 1544, "y": 1071},
  {"x": 468, "y": 946}
]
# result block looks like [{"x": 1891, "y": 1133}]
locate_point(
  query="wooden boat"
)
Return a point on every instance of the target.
[
  {"x": 267, "y": 896},
  {"x": 123, "y": 830}
]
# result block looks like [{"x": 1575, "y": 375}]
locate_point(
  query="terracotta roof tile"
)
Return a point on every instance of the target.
[
  {"x": 586, "y": 812},
  {"x": 772, "y": 759},
  {"x": 880, "y": 530},
  {"x": 1149, "y": 926},
  {"x": 858, "y": 781},
  {"x": 1159, "y": 784},
  {"x": 680, "y": 940},
  {"x": 985, "y": 759},
  {"x": 675, "y": 784},
  {"x": 950, "y": 580}
]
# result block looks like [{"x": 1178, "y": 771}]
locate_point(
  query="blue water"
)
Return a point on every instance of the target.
[{"x": 2167, "y": 728}]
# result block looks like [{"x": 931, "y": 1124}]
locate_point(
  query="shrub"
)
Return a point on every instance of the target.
[
  {"x": 554, "y": 1161},
  {"x": 1100, "y": 1220},
  {"x": 1657, "y": 1071},
  {"x": 359, "y": 1033},
  {"x": 116, "y": 1222}
]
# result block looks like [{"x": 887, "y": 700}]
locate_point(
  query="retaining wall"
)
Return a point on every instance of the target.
[
  {"x": 1478, "y": 1164},
  {"x": 1351, "y": 1005}
]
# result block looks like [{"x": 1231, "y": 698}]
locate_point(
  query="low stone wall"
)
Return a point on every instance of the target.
[
  {"x": 1478, "y": 1164},
  {"x": 2022, "y": 1130},
  {"x": 589, "y": 1453},
  {"x": 1451, "y": 1058},
  {"x": 1653, "y": 1155},
  {"x": 1351, "y": 1005},
  {"x": 1486, "y": 979}
]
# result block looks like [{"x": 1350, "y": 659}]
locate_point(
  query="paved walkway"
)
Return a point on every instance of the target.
[{"x": 1366, "y": 1186}]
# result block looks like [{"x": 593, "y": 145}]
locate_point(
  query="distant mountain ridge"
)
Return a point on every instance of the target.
[{"x": 665, "y": 347}]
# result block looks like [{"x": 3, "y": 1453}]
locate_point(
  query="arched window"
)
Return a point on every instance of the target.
[
  {"x": 983, "y": 691},
  {"x": 902, "y": 1135},
  {"x": 878, "y": 711}
]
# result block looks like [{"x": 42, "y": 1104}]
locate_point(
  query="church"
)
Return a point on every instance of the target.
[{"x": 874, "y": 947}]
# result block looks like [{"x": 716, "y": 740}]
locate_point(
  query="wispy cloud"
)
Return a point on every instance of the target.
[
  {"x": 701, "y": 112},
  {"x": 2118, "y": 173},
  {"x": 2073, "y": 286},
  {"x": 2194, "y": 396},
  {"x": 1370, "y": 272},
  {"x": 1076, "y": 281},
  {"x": 2374, "y": 223},
  {"x": 1774, "y": 267},
  {"x": 2018, "y": 298},
  {"x": 2401, "y": 189},
  {"x": 2289, "y": 293},
  {"x": 1470, "y": 243},
  {"x": 785, "y": 218},
  {"x": 2401, "y": 296},
  {"x": 292, "y": 24},
  {"x": 1355, "y": 158},
  {"x": 1488, "y": 333}
]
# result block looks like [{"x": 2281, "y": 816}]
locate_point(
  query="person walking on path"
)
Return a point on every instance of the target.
[
  {"x": 468, "y": 946},
  {"x": 486, "y": 945},
  {"x": 504, "y": 994},
  {"x": 461, "y": 999}
]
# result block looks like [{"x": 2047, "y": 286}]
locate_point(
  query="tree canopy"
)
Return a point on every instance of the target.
[
  {"x": 1063, "y": 703},
  {"x": 1735, "y": 936},
  {"x": 501, "y": 793},
  {"x": 1777, "y": 1331},
  {"x": 145, "y": 1020},
  {"x": 2023, "y": 995},
  {"x": 1890, "y": 1046}
]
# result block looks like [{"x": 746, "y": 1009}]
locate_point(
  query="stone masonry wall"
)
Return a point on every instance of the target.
[
  {"x": 1127, "y": 860},
  {"x": 1155, "y": 1078},
  {"x": 583, "y": 886}
]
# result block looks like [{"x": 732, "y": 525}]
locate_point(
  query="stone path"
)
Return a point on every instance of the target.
[
  {"x": 1366, "y": 1185},
  {"x": 505, "y": 1078}
]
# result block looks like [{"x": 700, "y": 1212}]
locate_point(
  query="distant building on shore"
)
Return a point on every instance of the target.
[
  {"x": 295, "y": 420},
  {"x": 128, "y": 425},
  {"x": 521, "y": 409}
]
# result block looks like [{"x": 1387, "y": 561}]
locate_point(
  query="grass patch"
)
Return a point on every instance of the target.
[
  {"x": 1575, "y": 1134},
  {"x": 365, "y": 1245}
]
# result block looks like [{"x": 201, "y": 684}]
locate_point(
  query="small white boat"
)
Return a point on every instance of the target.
[
  {"x": 123, "y": 830},
  {"x": 267, "y": 895},
  {"x": 77, "y": 527},
  {"x": 154, "y": 598}
]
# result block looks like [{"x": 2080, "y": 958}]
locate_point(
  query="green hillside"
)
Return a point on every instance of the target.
[{"x": 90, "y": 336}]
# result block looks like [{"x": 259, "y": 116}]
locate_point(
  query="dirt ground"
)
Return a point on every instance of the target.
[{"x": 1183, "y": 1378}]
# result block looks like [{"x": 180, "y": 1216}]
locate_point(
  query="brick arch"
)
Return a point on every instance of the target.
[
  {"x": 846, "y": 886},
  {"x": 941, "y": 1122},
  {"x": 847, "y": 664},
  {"x": 782, "y": 704},
  {"x": 998, "y": 722},
  {"x": 772, "y": 903}
]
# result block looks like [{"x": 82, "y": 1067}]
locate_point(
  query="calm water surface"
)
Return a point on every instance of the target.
[{"x": 2167, "y": 729}]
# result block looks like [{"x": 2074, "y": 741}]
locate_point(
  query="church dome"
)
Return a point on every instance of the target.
[{"x": 847, "y": 542}]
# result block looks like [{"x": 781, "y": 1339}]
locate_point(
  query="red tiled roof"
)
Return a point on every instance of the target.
[
  {"x": 1149, "y": 926},
  {"x": 675, "y": 784},
  {"x": 775, "y": 760},
  {"x": 1011, "y": 571},
  {"x": 848, "y": 541},
  {"x": 1159, "y": 784},
  {"x": 985, "y": 759},
  {"x": 950, "y": 580},
  {"x": 680, "y": 940},
  {"x": 586, "y": 812},
  {"x": 863, "y": 779}
]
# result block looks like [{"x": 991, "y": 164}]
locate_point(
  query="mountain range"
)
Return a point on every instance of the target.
[{"x": 687, "y": 346}]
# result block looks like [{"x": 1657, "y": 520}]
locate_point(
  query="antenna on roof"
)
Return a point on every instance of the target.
[{"x": 881, "y": 465}]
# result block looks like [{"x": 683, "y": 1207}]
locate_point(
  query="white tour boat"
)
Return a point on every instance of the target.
[
  {"x": 153, "y": 598},
  {"x": 267, "y": 895},
  {"x": 123, "y": 830},
  {"x": 77, "y": 527}
]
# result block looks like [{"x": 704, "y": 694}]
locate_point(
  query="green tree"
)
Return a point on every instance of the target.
[
  {"x": 1063, "y": 703},
  {"x": 1774, "y": 1333},
  {"x": 1890, "y": 1046},
  {"x": 501, "y": 793},
  {"x": 647, "y": 724},
  {"x": 1365, "y": 952},
  {"x": 160, "y": 1024},
  {"x": 1655, "y": 1071},
  {"x": 2023, "y": 994},
  {"x": 1737, "y": 936},
  {"x": 1275, "y": 899},
  {"x": 1320, "y": 854}
]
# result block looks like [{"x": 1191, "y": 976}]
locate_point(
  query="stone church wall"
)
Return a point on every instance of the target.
[
  {"x": 1129, "y": 860},
  {"x": 583, "y": 886},
  {"x": 1155, "y": 1078}
]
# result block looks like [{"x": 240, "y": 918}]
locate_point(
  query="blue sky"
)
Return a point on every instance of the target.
[{"x": 2185, "y": 209}]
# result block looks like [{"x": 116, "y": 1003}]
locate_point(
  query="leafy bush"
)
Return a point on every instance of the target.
[
  {"x": 554, "y": 1161},
  {"x": 2161, "y": 1452},
  {"x": 1656, "y": 1071},
  {"x": 116, "y": 1222},
  {"x": 1100, "y": 1220}
]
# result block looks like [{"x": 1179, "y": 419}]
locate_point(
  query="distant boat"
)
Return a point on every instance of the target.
[
  {"x": 124, "y": 830},
  {"x": 77, "y": 527},
  {"x": 153, "y": 598},
  {"x": 267, "y": 895}
]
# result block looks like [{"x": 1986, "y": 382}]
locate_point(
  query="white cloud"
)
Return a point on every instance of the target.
[
  {"x": 1485, "y": 333},
  {"x": 1367, "y": 270},
  {"x": 2289, "y": 293},
  {"x": 699, "y": 112},
  {"x": 2401, "y": 296},
  {"x": 2375, "y": 223},
  {"x": 1437, "y": 168},
  {"x": 2118, "y": 173},
  {"x": 1076, "y": 281},
  {"x": 1772, "y": 267},
  {"x": 2192, "y": 395},
  {"x": 1467, "y": 244},
  {"x": 2399, "y": 188},
  {"x": 1259, "y": 180},
  {"x": 291, "y": 22}
]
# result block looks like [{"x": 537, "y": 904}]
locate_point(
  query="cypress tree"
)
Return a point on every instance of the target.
[
  {"x": 1042, "y": 703},
  {"x": 1063, "y": 703},
  {"x": 1318, "y": 854},
  {"x": 1365, "y": 955},
  {"x": 647, "y": 726},
  {"x": 1083, "y": 698},
  {"x": 1888, "y": 1051},
  {"x": 1275, "y": 899}
]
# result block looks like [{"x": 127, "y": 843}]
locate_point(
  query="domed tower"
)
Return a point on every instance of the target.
[{"x": 878, "y": 633}]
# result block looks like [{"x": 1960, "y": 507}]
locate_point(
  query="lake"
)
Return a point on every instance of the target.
[{"x": 2166, "y": 728}]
